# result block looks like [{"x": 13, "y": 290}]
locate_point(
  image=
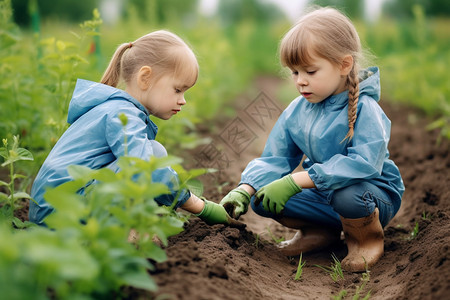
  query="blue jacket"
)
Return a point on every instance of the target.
[
  {"x": 95, "y": 139},
  {"x": 316, "y": 130}
]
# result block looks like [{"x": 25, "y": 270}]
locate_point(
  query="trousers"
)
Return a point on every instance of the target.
[{"x": 325, "y": 207}]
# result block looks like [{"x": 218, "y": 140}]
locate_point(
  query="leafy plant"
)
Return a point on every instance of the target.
[
  {"x": 87, "y": 253},
  {"x": 11, "y": 155},
  {"x": 301, "y": 264},
  {"x": 334, "y": 270}
]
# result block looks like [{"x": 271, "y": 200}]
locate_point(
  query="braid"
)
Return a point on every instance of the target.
[{"x": 353, "y": 96}]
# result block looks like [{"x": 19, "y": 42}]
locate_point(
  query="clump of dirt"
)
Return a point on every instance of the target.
[{"x": 218, "y": 262}]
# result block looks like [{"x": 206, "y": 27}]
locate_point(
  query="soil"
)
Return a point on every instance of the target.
[{"x": 219, "y": 262}]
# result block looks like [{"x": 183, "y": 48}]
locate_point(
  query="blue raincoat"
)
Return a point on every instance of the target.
[
  {"x": 95, "y": 139},
  {"x": 316, "y": 131}
]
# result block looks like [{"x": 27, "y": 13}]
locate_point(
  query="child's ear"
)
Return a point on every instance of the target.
[
  {"x": 347, "y": 65},
  {"x": 144, "y": 77}
]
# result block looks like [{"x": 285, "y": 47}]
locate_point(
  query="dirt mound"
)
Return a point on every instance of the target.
[{"x": 217, "y": 262}]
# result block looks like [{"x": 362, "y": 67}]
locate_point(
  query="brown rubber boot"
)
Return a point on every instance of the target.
[
  {"x": 365, "y": 242},
  {"x": 308, "y": 239}
]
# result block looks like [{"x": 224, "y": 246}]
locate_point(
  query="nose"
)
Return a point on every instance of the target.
[
  {"x": 301, "y": 81},
  {"x": 182, "y": 101}
]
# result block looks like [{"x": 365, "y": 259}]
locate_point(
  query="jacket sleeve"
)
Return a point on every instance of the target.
[
  {"x": 365, "y": 156},
  {"x": 140, "y": 145},
  {"x": 280, "y": 157}
]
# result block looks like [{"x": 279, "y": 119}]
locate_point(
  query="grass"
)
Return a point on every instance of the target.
[
  {"x": 358, "y": 290},
  {"x": 301, "y": 264},
  {"x": 334, "y": 270},
  {"x": 415, "y": 232},
  {"x": 273, "y": 237}
]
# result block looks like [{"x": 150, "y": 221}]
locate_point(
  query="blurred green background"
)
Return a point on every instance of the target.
[{"x": 44, "y": 50}]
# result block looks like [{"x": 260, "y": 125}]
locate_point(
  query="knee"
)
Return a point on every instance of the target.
[
  {"x": 352, "y": 201},
  {"x": 259, "y": 210}
]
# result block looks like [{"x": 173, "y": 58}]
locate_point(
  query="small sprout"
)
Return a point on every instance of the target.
[
  {"x": 256, "y": 242},
  {"x": 425, "y": 216},
  {"x": 301, "y": 264},
  {"x": 335, "y": 270},
  {"x": 340, "y": 296},
  {"x": 415, "y": 231},
  {"x": 275, "y": 239}
]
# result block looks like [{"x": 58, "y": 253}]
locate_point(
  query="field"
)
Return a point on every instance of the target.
[
  {"x": 229, "y": 263},
  {"x": 239, "y": 70}
]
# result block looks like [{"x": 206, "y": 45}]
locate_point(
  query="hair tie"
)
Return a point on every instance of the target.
[{"x": 130, "y": 45}]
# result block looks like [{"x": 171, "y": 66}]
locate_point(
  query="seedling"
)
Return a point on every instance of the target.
[
  {"x": 256, "y": 242},
  {"x": 415, "y": 231},
  {"x": 335, "y": 270},
  {"x": 425, "y": 216},
  {"x": 340, "y": 296},
  {"x": 11, "y": 155},
  {"x": 365, "y": 279},
  {"x": 301, "y": 264},
  {"x": 274, "y": 238}
]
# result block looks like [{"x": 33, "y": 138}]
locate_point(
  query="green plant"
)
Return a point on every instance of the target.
[
  {"x": 11, "y": 155},
  {"x": 360, "y": 288},
  {"x": 335, "y": 270},
  {"x": 301, "y": 264},
  {"x": 340, "y": 296},
  {"x": 426, "y": 216},
  {"x": 256, "y": 242},
  {"x": 273, "y": 237},
  {"x": 414, "y": 232},
  {"x": 87, "y": 255}
]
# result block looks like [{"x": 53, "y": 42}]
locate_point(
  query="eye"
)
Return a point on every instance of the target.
[
  {"x": 310, "y": 72},
  {"x": 177, "y": 91},
  {"x": 295, "y": 73}
]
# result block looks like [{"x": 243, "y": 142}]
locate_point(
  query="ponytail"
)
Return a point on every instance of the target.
[
  {"x": 164, "y": 51},
  {"x": 353, "y": 97},
  {"x": 112, "y": 74}
]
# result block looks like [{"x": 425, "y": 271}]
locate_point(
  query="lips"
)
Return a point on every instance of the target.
[{"x": 306, "y": 95}]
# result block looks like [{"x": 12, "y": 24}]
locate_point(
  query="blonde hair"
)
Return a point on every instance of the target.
[
  {"x": 329, "y": 34},
  {"x": 163, "y": 51}
]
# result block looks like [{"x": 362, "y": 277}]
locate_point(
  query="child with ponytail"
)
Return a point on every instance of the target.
[
  {"x": 348, "y": 181},
  {"x": 156, "y": 69}
]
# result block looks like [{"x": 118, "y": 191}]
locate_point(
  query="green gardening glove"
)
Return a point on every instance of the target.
[
  {"x": 214, "y": 213},
  {"x": 236, "y": 202},
  {"x": 275, "y": 195}
]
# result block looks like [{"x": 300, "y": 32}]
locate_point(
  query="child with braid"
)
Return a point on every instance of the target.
[
  {"x": 348, "y": 182},
  {"x": 156, "y": 70}
]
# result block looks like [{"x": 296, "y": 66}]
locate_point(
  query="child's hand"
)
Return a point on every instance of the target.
[
  {"x": 214, "y": 213},
  {"x": 275, "y": 195},
  {"x": 236, "y": 202}
]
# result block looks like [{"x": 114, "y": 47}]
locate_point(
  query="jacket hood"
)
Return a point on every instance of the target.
[
  {"x": 88, "y": 94},
  {"x": 369, "y": 83}
]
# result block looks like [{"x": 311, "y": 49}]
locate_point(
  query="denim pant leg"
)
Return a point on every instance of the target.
[
  {"x": 359, "y": 200},
  {"x": 310, "y": 205}
]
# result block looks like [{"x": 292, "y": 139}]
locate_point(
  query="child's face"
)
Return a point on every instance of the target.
[
  {"x": 166, "y": 97},
  {"x": 319, "y": 80}
]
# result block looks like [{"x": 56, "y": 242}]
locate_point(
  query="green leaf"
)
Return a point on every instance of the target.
[
  {"x": 195, "y": 186},
  {"x": 140, "y": 279},
  {"x": 24, "y": 154},
  {"x": 4, "y": 152},
  {"x": 22, "y": 195},
  {"x": 80, "y": 172},
  {"x": 2, "y": 183}
]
